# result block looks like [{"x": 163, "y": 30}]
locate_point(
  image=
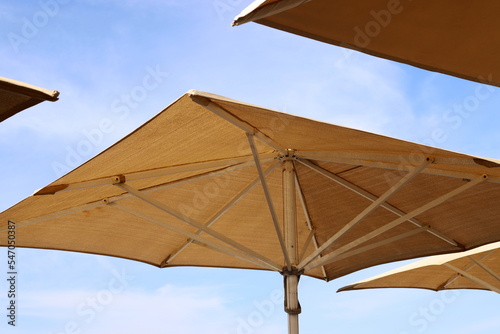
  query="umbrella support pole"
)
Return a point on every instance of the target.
[
  {"x": 292, "y": 305},
  {"x": 290, "y": 272}
]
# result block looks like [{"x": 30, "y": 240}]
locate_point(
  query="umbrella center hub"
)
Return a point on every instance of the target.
[{"x": 289, "y": 156}]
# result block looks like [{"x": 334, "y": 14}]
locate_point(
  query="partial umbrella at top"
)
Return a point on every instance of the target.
[
  {"x": 15, "y": 96},
  {"x": 452, "y": 37}
]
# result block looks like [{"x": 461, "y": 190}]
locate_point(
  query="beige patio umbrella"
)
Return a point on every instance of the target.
[
  {"x": 15, "y": 96},
  {"x": 451, "y": 37},
  {"x": 474, "y": 269},
  {"x": 215, "y": 182}
]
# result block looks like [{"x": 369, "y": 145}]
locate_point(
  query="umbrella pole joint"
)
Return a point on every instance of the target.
[
  {"x": 291, "y": 303},
  {"x": 293, "y": 272},
  {"x": 289, "y": 156}
]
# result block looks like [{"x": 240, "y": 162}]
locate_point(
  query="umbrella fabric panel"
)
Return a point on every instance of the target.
[
  {"x": 330, "y": 214},
  {"x": 183, "y": 133},
  {"x": 159, "y": 144},
  {"x": 242, "y": 221},
  {"x": 332, "y": 206},
  {"x": 13, "y": 103},
  {"x": 38, "y": 206},
  {"x": 469, "y": 215},
  {"x": 304, "y": 134},
  {"x": 465, "y": 216},
  {"x": 489, "y": 259},
  {"x": 403, "y": 249},
  {"x": 316, "y": 139},
  {"x": 420, "y": 279},
  {"x": 248, "y": 222},
  {"x": 150, "y": 147},
  {"x": 102, "y": 230},
  {"x": 196, "y": 199},
  {"x": 451, "y": 37},
  {"x": 107, "y": 230}
]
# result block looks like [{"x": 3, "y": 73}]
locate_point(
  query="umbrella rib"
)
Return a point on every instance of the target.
[
  {"x": 193, "y": 236},
  {"x": 221, "y": 212},
  {"x": 368, "y": 210},
  {"x": 22, "y": 88},
  {"x": 309, "y": 224},
  {"x": 341, "y": 157},
  {"x": 366, "y": 194},
  {"x": 395, "y": 162},
  {"x": 148, "y": 199},
  {"x": 330, "y": 256},
  {"x": 57, "y": 214},
  {"x": 308, "y": 241},
  {"x": 124, "y": 196},
  {"x": 369, "y": 247},
  {"x": 485, "y": 268},
  {"x": 473, "y": 278},
  {"x": 248, "y": 128},
  {"x": 197, "y": 177},
  {"x": 230, "y": 162},
  {"x": 269, "y": 201},
  {"x": 470, "y": 266},
  {"x": 457, "y": 276}
]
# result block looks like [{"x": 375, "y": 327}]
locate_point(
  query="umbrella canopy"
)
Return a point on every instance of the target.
[
  {"x": 475, "y": 269},
  {"x": 450, "y": 37},
  {"x": 215, "y": 182},
  {"x": 15, "y": 96}
]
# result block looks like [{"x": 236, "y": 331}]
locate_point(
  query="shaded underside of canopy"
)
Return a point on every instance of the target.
[
  {"x": 474, "y": 269},
  {"x": 192, "y": 168},
  {"x": 450, "y": 37},
  {"x": 16, "y": 96}
]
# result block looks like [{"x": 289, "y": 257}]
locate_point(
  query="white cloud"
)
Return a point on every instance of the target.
[
  {"x": 181, "y": 309},
  {"x": 171, "y": 308},
  {"x": 361, "y": 92}
]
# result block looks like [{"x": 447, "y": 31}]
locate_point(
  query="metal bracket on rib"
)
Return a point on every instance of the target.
[{"x": 118, "y": 179}]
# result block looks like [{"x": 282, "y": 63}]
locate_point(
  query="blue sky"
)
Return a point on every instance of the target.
[{"x": 118, "y": 63}]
